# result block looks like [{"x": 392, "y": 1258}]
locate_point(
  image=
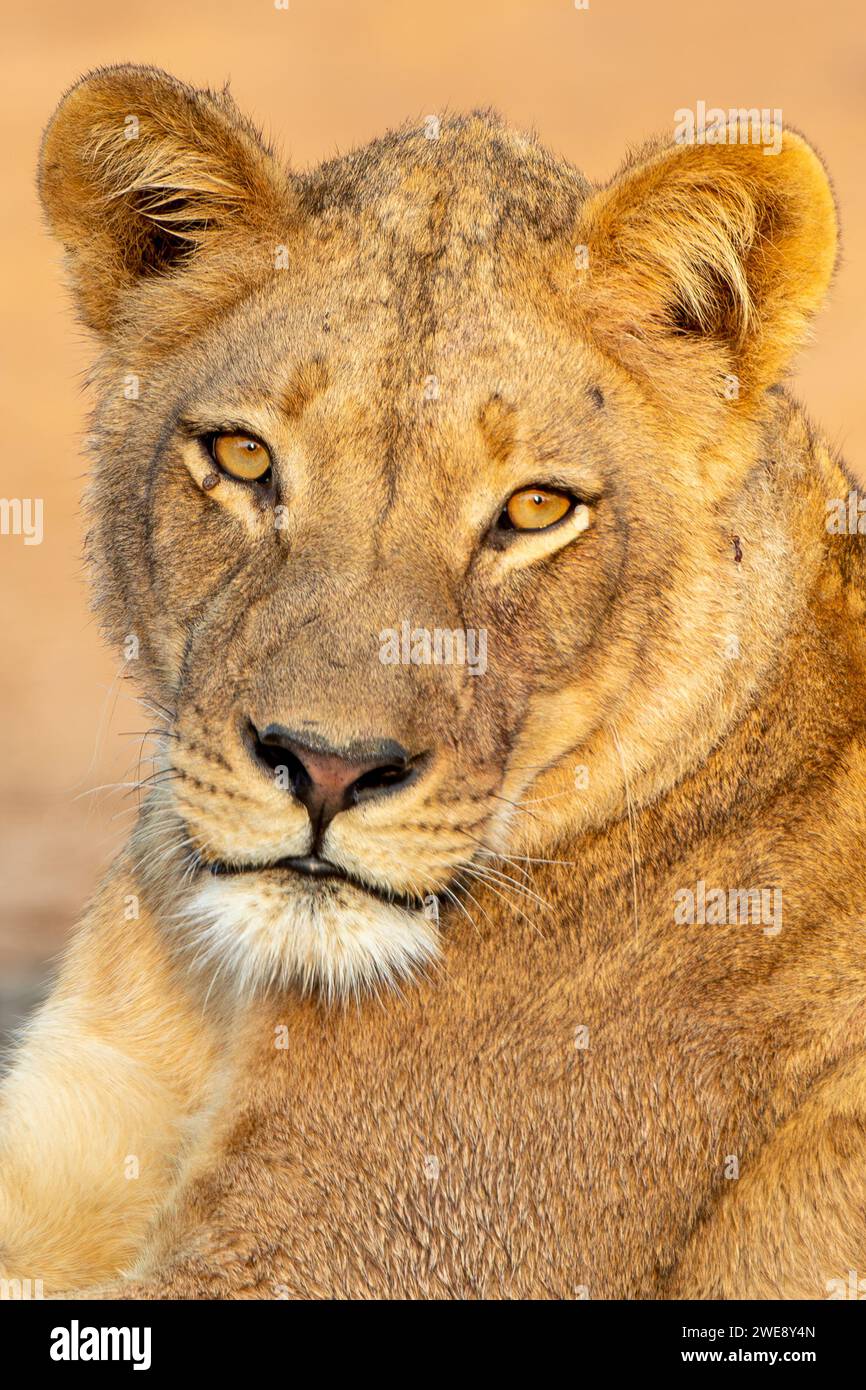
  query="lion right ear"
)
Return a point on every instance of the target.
[
  {"x": 139, "y": 175},
  {"x": 715, "y": 254}
]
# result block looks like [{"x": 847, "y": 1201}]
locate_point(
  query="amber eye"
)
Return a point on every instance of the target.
[
  {"x": 241, "y": 457},
  {"x": 534, "y": 508}
]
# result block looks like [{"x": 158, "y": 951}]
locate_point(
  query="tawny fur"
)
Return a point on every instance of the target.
[{"x": 551, "y": 1092}]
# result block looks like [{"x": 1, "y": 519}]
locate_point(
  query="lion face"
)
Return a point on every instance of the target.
[
  {"x": 370, "y": 602},
  {"x": 416, "y": 525}
]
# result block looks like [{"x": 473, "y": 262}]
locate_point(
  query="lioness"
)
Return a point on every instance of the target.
[{"x": 493, "y": 924}]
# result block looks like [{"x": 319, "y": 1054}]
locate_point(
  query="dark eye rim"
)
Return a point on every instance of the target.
[{"x": 208, "y": 441}]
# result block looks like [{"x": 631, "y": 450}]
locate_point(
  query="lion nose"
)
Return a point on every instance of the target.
[{"x": 328, "y": 780}]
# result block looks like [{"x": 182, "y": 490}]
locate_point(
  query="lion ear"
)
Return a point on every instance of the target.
[
  {"x": 727, "y": 246},
  {"x": 139, "y": 174}
]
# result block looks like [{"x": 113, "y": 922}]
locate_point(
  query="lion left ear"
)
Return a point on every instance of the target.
[
  {"x": 141, "y": 177},
  {"x": 725, "y": 249}
]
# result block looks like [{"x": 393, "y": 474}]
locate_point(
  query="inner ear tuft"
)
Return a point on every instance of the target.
[
  {"x": 165, "y": 241},
  {"x": 717, "y": 310}
]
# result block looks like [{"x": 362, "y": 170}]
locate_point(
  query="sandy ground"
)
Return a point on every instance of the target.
[{"x": 322, "y": 76}]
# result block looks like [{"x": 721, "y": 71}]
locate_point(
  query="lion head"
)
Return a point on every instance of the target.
[{"x": 414, "y": 488}]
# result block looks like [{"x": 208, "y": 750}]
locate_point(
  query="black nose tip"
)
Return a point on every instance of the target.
[{"x": 328, "y": 780}]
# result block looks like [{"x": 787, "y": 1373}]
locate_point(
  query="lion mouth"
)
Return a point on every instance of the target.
[{"x": 312, "y": 866}]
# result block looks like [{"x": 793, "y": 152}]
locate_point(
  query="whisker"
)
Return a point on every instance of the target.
[
  {"x": 632, "y": 830},
  {"x": 457, "y": 903},
  {"x": 156, "y": 779},
  {"x": 466, "y": 869},
  {"x": 529, "y": 859},
  {"x": 504, "y": 878},
  {"x": 505, "y": 859},
  {"x": 146, "y": 733}
]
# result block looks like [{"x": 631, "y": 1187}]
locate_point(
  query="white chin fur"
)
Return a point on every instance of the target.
[{"x": 329, "y": 938}]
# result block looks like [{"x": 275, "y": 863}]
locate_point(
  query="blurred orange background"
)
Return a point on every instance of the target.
[{"x": 321, "y": 76}]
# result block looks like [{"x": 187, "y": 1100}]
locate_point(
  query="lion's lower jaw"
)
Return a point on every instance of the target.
[{"x": 338, "y": 943}]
